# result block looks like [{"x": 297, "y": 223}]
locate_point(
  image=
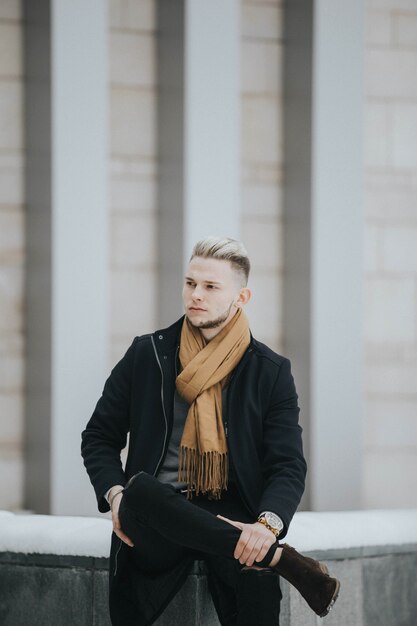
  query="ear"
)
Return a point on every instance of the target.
[{"x": 245, "y": 295}]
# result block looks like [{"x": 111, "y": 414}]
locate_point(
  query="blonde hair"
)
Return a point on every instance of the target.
[{"x": 225, "y": 249}]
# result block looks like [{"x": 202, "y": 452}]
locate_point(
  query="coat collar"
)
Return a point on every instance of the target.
[
  {"x": 167, "y": 340},
  {"x": 169, "y": 337}
]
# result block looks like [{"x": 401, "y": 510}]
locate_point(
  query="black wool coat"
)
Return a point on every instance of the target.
[{"x": 263, "y": 436}]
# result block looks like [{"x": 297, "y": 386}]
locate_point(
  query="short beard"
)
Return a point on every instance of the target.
[{"x": 213, "y": 323}]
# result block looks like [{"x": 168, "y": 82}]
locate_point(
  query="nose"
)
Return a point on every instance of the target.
[{"x": 197, "y": 293}]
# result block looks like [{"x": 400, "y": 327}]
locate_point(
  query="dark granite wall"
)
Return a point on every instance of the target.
[{"x": 378, "y": 588}]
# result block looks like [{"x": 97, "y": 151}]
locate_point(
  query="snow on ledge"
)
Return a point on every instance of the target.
[
  {"x": 352, "y": 529},
  {"x": 309, "y": 531},
  {"x": 52, "y": 534}
]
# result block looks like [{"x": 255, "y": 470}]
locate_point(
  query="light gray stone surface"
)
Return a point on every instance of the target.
[
  {"x": 50, "y": 589},
  {"x": 36, "y": 596},
  {"x": 285, "y": 609},
  {"x": 348, "y": 608},
  {"x": 101, "y": 615},
  {"x": 390, "y": 590}
]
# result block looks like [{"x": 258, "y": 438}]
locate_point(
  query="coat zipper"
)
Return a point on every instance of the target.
[
  {"x": 163, "y": 408},
  {"x": 165, "y": 438},
  {"x": 176, "y": 354}
]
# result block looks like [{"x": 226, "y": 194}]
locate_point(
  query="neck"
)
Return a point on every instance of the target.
[{"x": 210, "y": 333}]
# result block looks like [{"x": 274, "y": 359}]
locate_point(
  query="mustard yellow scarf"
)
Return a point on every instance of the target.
[{"x": 203, "y": 461}]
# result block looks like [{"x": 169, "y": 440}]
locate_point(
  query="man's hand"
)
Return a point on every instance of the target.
[
  {"x": 115, "y": 504},
  {"x": 254, "y": 542}
]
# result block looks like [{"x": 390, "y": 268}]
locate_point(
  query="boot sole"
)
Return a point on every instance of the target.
[{"x": 333, "y": 600}]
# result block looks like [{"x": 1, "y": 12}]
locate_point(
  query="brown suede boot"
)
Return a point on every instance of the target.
[{"x": 311, "y": 578}]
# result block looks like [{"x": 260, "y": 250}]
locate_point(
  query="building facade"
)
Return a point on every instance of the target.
[{"x": 104, "y": 188}]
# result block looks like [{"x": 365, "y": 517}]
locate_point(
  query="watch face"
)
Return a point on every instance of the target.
[{"x": 273, "y": 520}]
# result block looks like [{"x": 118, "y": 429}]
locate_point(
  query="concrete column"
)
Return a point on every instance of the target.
[
  {"x": 198, "y": 124},
  {"x": 324, "y": 223},
  {"x": 67, "y": 244}
]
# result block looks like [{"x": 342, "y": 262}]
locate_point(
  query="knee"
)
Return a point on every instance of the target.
[
  {"x": 136, "y": 489},
  {"x": 143, "y": 489}
]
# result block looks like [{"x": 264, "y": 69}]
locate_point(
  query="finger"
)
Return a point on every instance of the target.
[
  {"x": 116, "y": 521},
  {"x": 255, "y": 551},
  {"x": 268, "y": 541},
  {"x": 116, "y": 502},
  {"x": 250, "y": 558},
  {"x": 262, "y": 552},
  {"x": 117, "y": 527},
  {"x": 242, "y": 543},
  {"x": 124, "y": 537},
  {"x": 249, "y": 548},
  {"x": 234, "y": 523},
  {"x": 258, "y": 537}
]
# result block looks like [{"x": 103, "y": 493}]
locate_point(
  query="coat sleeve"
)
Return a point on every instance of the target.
[
  {"x": 105, "y": 435},
  {"x": 283, "y": 463}
]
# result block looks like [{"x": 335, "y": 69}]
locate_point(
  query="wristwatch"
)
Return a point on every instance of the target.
[{"x": 271, "y": 521}]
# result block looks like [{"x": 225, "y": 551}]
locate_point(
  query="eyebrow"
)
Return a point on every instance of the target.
[{"x": 209, "y": 282}]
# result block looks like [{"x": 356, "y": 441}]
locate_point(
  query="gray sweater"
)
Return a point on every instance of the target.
[{"x": 169, "y": 470}]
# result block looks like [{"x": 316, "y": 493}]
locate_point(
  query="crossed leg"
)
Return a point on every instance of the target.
[
  {"x": 148, "y": 502},
  {"x": 165, "y": 526}
]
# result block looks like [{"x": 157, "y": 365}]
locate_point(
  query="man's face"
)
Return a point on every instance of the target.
[{"x": 211, "y": 292}]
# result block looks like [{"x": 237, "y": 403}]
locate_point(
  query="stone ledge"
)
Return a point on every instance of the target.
[
  {"x": 72, "y": 591},
  {"x": 378, "y": 582},
  {"x": 102, "y": 563},
  {"x": 360, "y": 552},
  {"x": 54, "y": 560}
]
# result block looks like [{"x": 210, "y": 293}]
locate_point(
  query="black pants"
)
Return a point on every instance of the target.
[{"x": 165, "y": 527}]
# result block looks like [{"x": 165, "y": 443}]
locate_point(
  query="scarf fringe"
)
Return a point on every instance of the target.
[{"x": 204, "y": 472}]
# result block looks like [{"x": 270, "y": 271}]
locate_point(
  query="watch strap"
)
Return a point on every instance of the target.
[{"x": 262, "y": 520}]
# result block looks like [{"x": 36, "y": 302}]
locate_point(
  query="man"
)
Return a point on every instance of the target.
[{"x": 215, "y": 467}]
